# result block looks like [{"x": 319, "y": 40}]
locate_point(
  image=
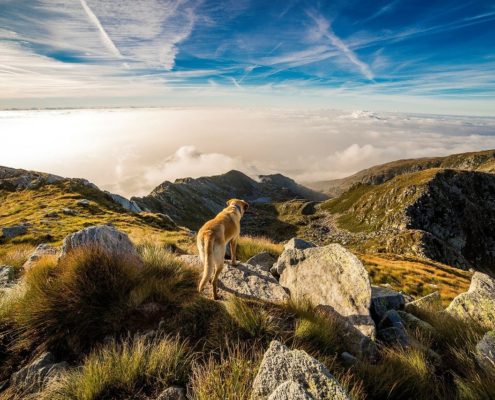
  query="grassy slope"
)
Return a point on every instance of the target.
[{"x": 32, "y": 206}]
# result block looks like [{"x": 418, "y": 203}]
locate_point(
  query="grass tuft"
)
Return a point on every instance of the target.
[{"x": 249, "y": 246}]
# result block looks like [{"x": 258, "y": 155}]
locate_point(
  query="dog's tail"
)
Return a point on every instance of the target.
[{"x": 208, "y": 262}]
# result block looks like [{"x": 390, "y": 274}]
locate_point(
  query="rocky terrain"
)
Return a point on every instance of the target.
[{"x": 371, "y": 298}]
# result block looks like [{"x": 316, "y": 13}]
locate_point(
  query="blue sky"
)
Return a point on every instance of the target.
[{"x": 396, "y": 55}]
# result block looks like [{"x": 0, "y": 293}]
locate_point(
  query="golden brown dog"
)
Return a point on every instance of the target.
[{"x": 212, "y": 238}]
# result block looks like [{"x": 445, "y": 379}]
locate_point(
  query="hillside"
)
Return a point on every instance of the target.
[
  {"x": 440, "y": 214},
  {"x": 49, "y": 207},
  {"x": 190, "y": 201},
  {"x": 483, "y": 161}
]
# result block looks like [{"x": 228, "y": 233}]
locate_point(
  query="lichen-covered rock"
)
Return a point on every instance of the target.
[
  {"x": 265, "y": 260},
  {"x": 103, "y": 236},
  {"x": 7, "y": 275},
  {"x": 412, "y": 322},
  {"x": 429, "y": 301},
  {"x": 33, "y": 377},
  {"x": 299, "y": 244},
  {"x": 332, "y": 276},
  {"x": 290, "y": 255},
  {"x": 244, "y": 280},
  {"x": 9, "y": 232},
  {"x": 383, "y": 300},
  {"x": 281, "y": 365},
  {"x": 478, "y": 303},
  {"x": 290, "y": 390},
  {"x": 485, "y": 352},
  {"x": 42, "y": 250}
]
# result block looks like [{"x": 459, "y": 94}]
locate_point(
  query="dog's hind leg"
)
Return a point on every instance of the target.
[
  {"x": 218, "y": 269},
  {"x": 207, "y": 262}
]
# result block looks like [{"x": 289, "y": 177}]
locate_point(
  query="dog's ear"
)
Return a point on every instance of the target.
[
  {"x": 245, "y": 205},
  {"x": 229, "y": 201}
]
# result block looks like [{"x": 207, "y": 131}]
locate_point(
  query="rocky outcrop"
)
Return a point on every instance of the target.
[
  {"x": 383, "y": 300},
  {"x": 40, "y": 251},
  {"x": 128, "y": 205},
  {"x": 331, "y": 277},
  {"x": 33, "y": 377},
  {"x": 103, "y": 236},
  {"x": 285, "y": 372},
  {"x": 427, "y": 302},
  {"x": 478, "y": 303},
  {"x": 9, "y": 232},
  {"x": 485, "y": 352},
  {"x": 291, "y": 253},
  {"x": 264, "y": 260},
  {"x": 244, "y": 280}
]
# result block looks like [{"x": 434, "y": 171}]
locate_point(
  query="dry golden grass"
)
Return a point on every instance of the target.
[
  {"x": 416, "y": 277},
  {"x": 251, "y": 245}
]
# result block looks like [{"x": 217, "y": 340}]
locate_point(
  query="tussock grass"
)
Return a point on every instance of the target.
[
  {"x": 15, "y": 255},
  {"x": 121, "y": 370},
  {"x": 229, "y": 376},
  {"x": 249, "y": 246},
  {"x": 89, "y": 294}
]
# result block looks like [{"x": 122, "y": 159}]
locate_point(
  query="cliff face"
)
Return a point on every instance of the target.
[
  {"x": 446, "y": 215},
  {"x": 190, "y": 202}
]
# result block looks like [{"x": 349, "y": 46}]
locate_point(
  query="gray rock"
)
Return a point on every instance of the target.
[
  {"x": 129, "y": 205},
  {"x": 427, "y": 302},
  {"x": 103, "y": 236},
  {"x": 244, "y": 280},
  {"x": 412, "y": 322},
  {"x": 265, "y": 260},
  {"x": 10, "y": 232},
  {"x": 393, "y": 335},
  {"x": 7, "y": 275},
  {"x": 478, "y": 303},
  {"x": 69, "y": 211},
  {"x": 299, "y": 244},
  {"x": 40, "y": 251},
  {"x": 348, "y": 359},
  {"x": 290, "y": 390},
  {"x": 281, "y": 365},
  {"x": 33, "y": 377},
  {"x": 173, "y": 393},
  {"x": 384, "y": 299},
  {"x": 83, "y": 203},
  {"x": 332, "y": 276},
  {"x": 485, "y": 352},
  {"x": 391, "y": 319},
  {"x": 52, "y": 214}
]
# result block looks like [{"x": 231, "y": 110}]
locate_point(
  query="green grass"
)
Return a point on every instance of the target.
[
  {"x": 71, "y": 305},
  {"x": 120, "y": 370},
  {"x": 249, "y": 246}
]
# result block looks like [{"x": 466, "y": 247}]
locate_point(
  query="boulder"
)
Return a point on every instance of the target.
[
  {"x": 40, "y": 251},
  {"x": 478, "y": 303},
  {"x": 244, "y": 280},
  {"x": 10, "y": 232},
  {"x": 485, "y": 352},
  {"x": 7, "y": 275},
  {"x": 264, "y": 260},
  {"x": 348, "y": 359},
  {"x": 33, "y": 377},
  {"x": 172, "y": 393},
  {"x": 69, "y": 211},
  {"x": 290, "y": 390},
  {"x": 299, "y": 244},
  {"x": 427, "y": 302},
  {"x": 391, "y": 330},
  {"x": 413, "y": 322},
  {"x": 281, "y": 366},
  {"x": 383, "y": 300},
  {"x": 103, "y": 236},
  {"x": 129, "y": 205},
  {"x": 334, "y": 278},
  {"x": 83, "y": 203}
]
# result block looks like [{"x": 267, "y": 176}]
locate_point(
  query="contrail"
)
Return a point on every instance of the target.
[{"x": 104, "y": 35}]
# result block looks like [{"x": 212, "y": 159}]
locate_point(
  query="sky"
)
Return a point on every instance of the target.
[
  {"x": 131, "y": 151},
  {"x": 389, "y": 55}
]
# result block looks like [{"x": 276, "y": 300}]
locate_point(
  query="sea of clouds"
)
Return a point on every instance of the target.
[{"x": 130, "y": 151}]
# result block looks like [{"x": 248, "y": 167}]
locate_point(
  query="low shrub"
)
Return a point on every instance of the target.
[{"x": 121, "y": 370}]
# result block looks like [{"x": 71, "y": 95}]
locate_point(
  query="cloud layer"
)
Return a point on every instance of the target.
[{"x": 132, "y": 151}]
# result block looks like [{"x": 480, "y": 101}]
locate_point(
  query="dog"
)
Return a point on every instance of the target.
[{"x": 213, "y": 237}]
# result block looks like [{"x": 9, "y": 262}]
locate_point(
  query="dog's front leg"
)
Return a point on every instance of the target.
[{"x": 233, "y": 248}]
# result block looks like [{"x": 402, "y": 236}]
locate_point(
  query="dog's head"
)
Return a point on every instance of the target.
[{"x": 241, "y": 205}]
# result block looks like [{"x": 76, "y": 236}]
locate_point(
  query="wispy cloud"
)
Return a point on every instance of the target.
[{"x": 324, "y": 29}]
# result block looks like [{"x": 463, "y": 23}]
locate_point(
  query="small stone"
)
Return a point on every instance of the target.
[
  {"x": 264, "y": 260},
  {"x": 348, "y": 359},
  {"x": 83, "y": 203},
  {"x": 7, "y": 275},
  {"x": 172, "y": 393}
]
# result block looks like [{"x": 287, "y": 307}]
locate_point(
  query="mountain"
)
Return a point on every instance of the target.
[
  {"x": 483, "y": 161},
  {"x": 441, "y": 214},
  {"x": 190, "y": 201}
]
